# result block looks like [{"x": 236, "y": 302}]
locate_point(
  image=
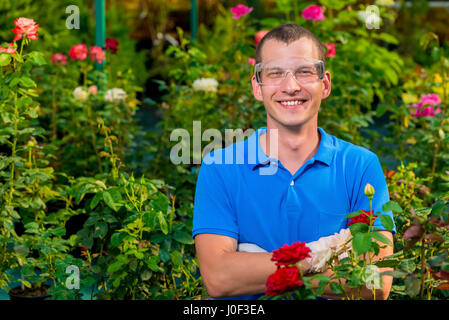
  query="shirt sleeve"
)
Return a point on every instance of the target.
[
  {"x": 213, "y": 212},
  {"x": 373, "y": 174}
]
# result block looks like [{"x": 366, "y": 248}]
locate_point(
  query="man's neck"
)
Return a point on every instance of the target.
[{"x": 294, "y": 146}]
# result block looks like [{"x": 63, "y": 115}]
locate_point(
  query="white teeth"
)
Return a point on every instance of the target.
[{"x": 291, "y": 103}]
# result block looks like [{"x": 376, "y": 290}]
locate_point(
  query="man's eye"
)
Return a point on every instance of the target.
[
  {"x": 275, "y": 74},
  {"x": 304, "y": 72}
]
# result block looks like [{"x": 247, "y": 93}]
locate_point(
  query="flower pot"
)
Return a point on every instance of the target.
[{"x": 39, "y": 293}]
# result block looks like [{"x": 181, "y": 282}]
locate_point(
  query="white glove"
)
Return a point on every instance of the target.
[
  {"x": 249, "y": 247},
  {"x": 321, "y": 249},
  {"x": 326, "y": 247}
]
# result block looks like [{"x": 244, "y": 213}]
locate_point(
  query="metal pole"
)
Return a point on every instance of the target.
[
  {"x": 193, "y": 20},
  {"x": 100, "y": 32}
]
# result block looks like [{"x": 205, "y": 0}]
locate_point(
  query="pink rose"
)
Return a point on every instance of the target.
[
  {"x": 252, "y": 61},
  {"x": 259, "y": 35},
  {"x": 59, "y": 59},
  {"x": 313, "y": 12},
  {"x": 96, "y": 54},
  {"x": 26, "y": 27},
  {"x": 429, "y": 112},
  {"x": 93, "y": 89},
  {"x": 239, "y": 11},
  {"x": 330, "y": 49},
  {"x": 431, "y": 98},
  {"x": 78, "y": 52},
  {"x": 426, "y": 107},
  {"x": 9, "y": 49}
]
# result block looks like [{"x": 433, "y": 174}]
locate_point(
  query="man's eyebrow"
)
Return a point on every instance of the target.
[{"x": 273, "y": 68}]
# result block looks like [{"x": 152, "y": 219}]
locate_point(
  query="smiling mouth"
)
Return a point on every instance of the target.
[{"x": 292, "y": 103}]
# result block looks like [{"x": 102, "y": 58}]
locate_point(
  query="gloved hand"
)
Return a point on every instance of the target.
[
  {"x": 326, "y": 247},
  {"x": 321, "y": 250}
]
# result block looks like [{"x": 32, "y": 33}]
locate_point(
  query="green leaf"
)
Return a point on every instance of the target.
[
  {"x": 100, "y": 229},
  {"x": 114, "y": 267},
  {"x": 59, "y": 231},
  {"x": 388, "y": 38},
  {"x": 95, "y": 200},
  {"x": 164, "y": 255},
  {"x": 32, "y": 227},
  {"x": 5, "y": 59},
  {"x": 353, "y": 214},
  {"x": 183, "y": 237},
  {"x": 391, "y": 206},
  {"x": 176, "y": 258},
  {"x": 392, "y": 76},
  {"x": 117, "y": 238},
  {"x": 380, "y": 237},
  {"x": 37, "y": 58},
  {"x": 361, "y": 243},
  {"x": 438, "y": 207},
  {"x": 387, "y": 263},
  {"x": 161, "y": 203},
  {"x": 336, "y": 288},
  {"x": 386, "y": 221},
  {"x": 412, "y": 285},
  {"x": 152, "y": 263},
  {"x": 358, "y": 228},
  {"x": 162, "y": 222},
  {"x": 145, "y": 275},
  {"x": 27, "y": 82},
  {"x": 109, "y": 201}
]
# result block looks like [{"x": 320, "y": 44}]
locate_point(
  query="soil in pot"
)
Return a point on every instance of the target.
[{"x": 38, "y": 293}]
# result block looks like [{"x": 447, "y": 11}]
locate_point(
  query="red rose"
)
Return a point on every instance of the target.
[
  {"x": 259, "y": 35},
  {"x": 291, "y": 254},
  {"x": 78, "y": 52},
  {"x": 112, "y": 45},
  {"x": 361, "y": 218},
  {"x": 284, "y": 279},
  {"x": 330, "y": 49},
  {"x": 26, "y": 27}
]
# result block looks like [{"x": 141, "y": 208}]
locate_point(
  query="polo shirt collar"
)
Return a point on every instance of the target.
[{"x": 324, "y": 154}]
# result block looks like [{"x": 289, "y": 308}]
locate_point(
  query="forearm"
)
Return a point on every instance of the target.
[{"x": 239, "y": 273}]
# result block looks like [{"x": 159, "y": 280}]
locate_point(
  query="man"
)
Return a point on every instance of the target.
[{"x": 314, "y": 182}]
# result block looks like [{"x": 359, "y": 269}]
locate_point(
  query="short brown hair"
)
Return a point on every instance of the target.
[{"x": 289, "y": 33}]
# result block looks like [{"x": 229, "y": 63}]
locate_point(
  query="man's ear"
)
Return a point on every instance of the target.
[
  {"x": 257, "y": 90},
  {"x": 326, "y": 85}
]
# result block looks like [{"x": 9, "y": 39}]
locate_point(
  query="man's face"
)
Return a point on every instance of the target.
[{"x": 275, "y": 98}]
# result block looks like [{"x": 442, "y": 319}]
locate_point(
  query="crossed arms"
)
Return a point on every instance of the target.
[{"x": 227, "y": 272}]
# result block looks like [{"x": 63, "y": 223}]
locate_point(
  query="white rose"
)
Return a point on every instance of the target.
[
  {"x": 115, "y": 95},
  {"x": 80, "y": 94},
  {"x": 205, "y": 84},
  {"x": 373, "y": 279}
]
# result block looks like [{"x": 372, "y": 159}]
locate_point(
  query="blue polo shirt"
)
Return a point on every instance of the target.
[{"x": 244, "y": 194}]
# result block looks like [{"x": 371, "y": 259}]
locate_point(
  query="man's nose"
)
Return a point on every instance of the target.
[{"x": 289, "y": 84}]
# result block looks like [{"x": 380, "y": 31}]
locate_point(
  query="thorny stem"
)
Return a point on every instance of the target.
[
  {"x": 423, "y": 267},
  {"x": 14, "y": 144}
]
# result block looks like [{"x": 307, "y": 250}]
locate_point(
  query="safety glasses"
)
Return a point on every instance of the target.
[{"x": 303, "y": 70}]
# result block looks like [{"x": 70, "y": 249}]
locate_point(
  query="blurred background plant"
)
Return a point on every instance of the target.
[{"x": 74, "y": 197}]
